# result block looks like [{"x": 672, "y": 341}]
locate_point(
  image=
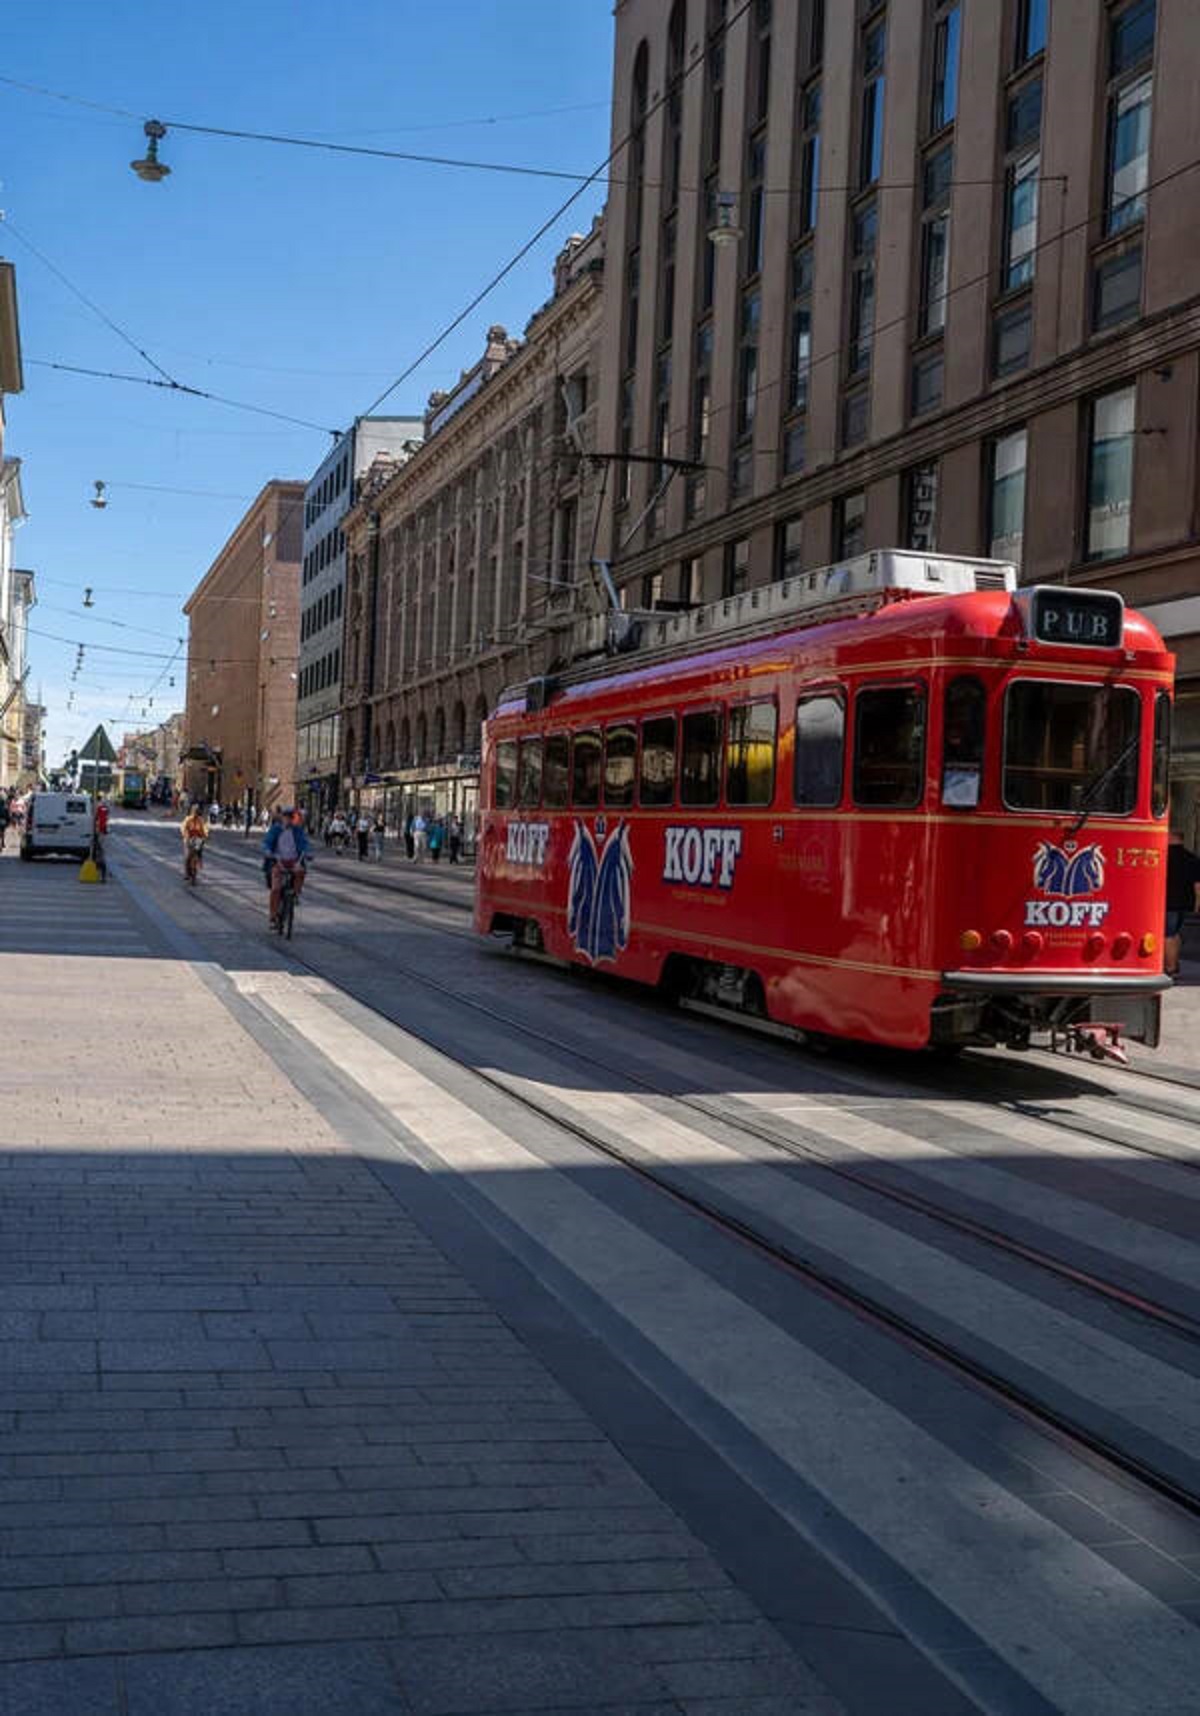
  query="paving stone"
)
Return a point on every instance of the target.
[
  {"x": 283, "y": 1680},
  {"x": 183, "y": 1596},
  {"x": 60, "y": 1688},
  {"x": 459, "y": 1676},
  {"x": 362, "y": 1621},
  {"x": 149, "y": 1633}
]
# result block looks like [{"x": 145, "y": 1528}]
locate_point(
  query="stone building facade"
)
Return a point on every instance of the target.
[
  {"x": 243, "y": 651},
  {"x": 954, "y": 299},
  {"x": 465, "y": 564}
]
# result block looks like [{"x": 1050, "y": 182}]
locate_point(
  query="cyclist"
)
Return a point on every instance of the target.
[
  {"x": 287, "y": 843},
  {"x": 193, "y": 832}
]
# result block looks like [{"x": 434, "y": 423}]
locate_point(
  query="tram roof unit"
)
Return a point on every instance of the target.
[{"x": 616, "y": 641}]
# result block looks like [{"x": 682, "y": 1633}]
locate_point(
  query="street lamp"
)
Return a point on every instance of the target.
[
  {"x": 725, "y": 229},
  {"x": 150, "y": 168}
]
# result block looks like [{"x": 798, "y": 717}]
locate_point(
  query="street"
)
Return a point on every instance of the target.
[{"x": 391, "y": 1325}]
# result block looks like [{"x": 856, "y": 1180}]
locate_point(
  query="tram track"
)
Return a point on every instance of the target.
[{"x": 1066, "y": 1427}]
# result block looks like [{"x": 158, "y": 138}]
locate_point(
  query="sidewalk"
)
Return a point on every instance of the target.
[{"x": 263, "y": 1448}]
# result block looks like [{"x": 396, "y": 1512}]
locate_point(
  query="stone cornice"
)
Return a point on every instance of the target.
[{"x": 467, "y": 431}]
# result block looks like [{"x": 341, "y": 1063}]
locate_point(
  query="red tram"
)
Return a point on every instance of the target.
[{"x": 897, "y": 800}]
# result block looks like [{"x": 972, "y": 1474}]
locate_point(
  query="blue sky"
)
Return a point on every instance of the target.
[{"x": 299, "y": 280}]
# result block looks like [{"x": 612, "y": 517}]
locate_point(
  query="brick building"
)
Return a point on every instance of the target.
[
  {"x": 463, "y": 562},
  {"x": 243, "y": 648},
  {"x": 952, "y": 299}
]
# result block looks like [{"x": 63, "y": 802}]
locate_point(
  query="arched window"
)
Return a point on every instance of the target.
[
  {"x": 481, "y": 715},
  {"x": 458, "y": 728},
  {"x": 422, "y": 738},
  {"x": 388, "y": 759},
  {"x": 406, "y": 750},
  {"x": 439, "y": 735}
]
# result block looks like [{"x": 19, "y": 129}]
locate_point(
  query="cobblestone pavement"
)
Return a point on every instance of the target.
[{"x": 263, "y": 1448}]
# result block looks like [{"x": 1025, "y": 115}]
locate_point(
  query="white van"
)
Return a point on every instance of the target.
[{"x": 57, "y": 822}]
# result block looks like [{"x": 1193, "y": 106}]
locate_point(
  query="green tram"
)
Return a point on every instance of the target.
[{"x": 130, "y": 789}]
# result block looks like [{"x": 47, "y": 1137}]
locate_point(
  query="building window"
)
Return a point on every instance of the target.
[
  {"x": 810, "y": 158},
  {"x": 690, "y": 581},
  {"x": 870, "y": 159},
  {"x": 625, "y": 444},
  {"x": 760, "y": 92},
  {"x": 935, "y": 241},
  {"x": 856, "y": 416},
  {"x": 793, "y": 448},
  {"x": 1031, "y": 28},
  {"x": 737, "y": 567},
  {"x": 747, "y": 373},
  {"x": 864, "y": 226},
  {"x": 920, "y": 507},
  {"x": 1110, "y": 473},
  {"x": 1128, "y": 154},
  {"x": 743, "y": 471},
  {"x": 674, "y": 140},
  {"x": 662, "y": 411},
  {"x": 1020, "y": 219},
  {"x": 1023, "y": 124},
  {"x": 633, "y": 270},
  {"x": 652, "y": 589},
  {"x": 944, "y": 103},
  {"x": 789, "y": 544},
  {"x": 1117, "y": 289},
  {"x": 756, "y": 162},
  {"x": 1006, "y": 502},
  {"x": 1131, "y": 38},
  {"x": 666, "y": 286},
  {"x": 800, "y": 348},
  {"x": 701, "y": 420},
  {"x": 849, "y": 525},
  {"x": 715, "y": 105},
  {"x": 1012, "y": 334},
  {"x": 708, "y": 262},
  {"x": 927, "y": 374}
]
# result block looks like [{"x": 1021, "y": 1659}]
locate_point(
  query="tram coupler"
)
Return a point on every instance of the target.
[{"x": 1101, "y": 1041}]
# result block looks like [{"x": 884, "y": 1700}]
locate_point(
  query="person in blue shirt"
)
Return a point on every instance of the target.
[{"x": 287, "y": 844}]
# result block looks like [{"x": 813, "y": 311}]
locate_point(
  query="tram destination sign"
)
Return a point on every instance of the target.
[{"x": 1093, "y": 619}]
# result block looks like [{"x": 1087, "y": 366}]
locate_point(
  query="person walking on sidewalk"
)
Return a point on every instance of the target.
[
  {"x": 418, "y": 834},
  {"x": 408, "y": 835},
  {"x": 1183, "y": 882},
  {"x": 378, "y": 835},
  {"x": 362, "y": 830},
  {"x": 453, "y": 836}
]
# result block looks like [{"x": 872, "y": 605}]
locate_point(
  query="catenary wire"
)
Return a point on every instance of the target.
[{"x": 183, "y": 387}]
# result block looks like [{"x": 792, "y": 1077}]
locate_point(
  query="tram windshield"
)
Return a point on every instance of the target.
[{"x": 1071, "y": 747}]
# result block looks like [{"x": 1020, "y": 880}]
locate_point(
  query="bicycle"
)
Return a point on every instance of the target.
[
  {"x": 193, "y": 858},
  {"x": 287, "y": 905}
]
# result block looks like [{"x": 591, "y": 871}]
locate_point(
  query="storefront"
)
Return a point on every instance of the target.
[{"x": 437, "y": 791}]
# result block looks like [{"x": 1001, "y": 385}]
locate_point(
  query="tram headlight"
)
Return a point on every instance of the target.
[{"x": 970, "y": 941}]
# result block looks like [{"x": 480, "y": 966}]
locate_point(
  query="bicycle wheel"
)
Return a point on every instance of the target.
[{"x": 287, "y": 913}]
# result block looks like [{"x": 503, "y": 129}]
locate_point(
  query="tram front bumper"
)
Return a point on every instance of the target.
[{"x": 1057, "y": 983}]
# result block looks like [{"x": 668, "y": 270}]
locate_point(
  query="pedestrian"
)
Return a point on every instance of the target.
[
  {"x": 454, "y": 837},
  {"x": 418, "y": 835},
  {"x": 408, "y": 835},
  {"x": 4, "y": 819},
  {"x": 362, "y": 829},
  {"x": 337, "y": 831},
  {"x": 1183, "y": 884},
  {"x": 437, "y": 834},
  {"x": 378, "y": 834}
]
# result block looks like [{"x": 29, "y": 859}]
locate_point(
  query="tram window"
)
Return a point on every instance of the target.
[
  {"x": 963, "y": 719},
  {"x": 1071, "y": 747},
  {"x": 1160, "y": 786},
  {"x": 556, "y": 772},
  {"x": 750, "y": 754},
  {"x": 820, "y": 749},
  {"x": 506, "y": 773},
  {"x": 700, "y": 766},
  {"x": 529, "y": 774},
  {"x": 889, "y": 746},
  {"x": 620, "y": 764},
  {"x": 585, "y": 770},
  {"x": 657, "y": 784}
]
